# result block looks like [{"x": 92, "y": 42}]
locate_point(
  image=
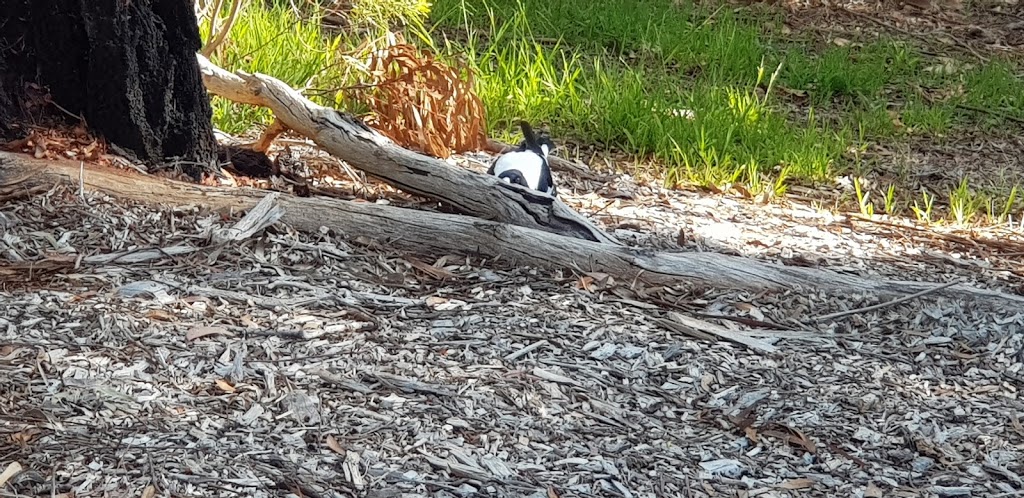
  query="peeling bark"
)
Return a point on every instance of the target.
[{"x": 348, "y": 139}]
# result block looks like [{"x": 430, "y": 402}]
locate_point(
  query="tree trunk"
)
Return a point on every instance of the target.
[{"x": 127, "y": 67}]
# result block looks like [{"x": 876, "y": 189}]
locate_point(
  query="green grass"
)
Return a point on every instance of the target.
[
  {"x": 691, "y": 89},
  {"x": 288, "y": 41},
  {"x": 610, "y": 72},
  {"x": 930, "y": 120},
  {"x": 272, "y": 41},
  {"x": 639, "y": 104}
]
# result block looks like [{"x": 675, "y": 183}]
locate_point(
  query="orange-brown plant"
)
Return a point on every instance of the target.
[{"x": 422, "y": 103}]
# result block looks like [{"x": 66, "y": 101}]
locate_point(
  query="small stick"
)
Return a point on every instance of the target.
[
  {"x": 275, "y": 129},
  {"x": 524, "y": 351},
  {"x": 991, "y": 112},
  {"x": 885, "y": 304},
  {"x": 81, "y": 179}
]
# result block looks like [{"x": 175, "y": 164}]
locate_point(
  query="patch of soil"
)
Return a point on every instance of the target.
[
  {"x": 987, "y": 162},
  {"x": 986, "y": 29}
]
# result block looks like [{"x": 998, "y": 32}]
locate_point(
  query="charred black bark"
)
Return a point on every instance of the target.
[
  {"x": 248, "y": 162},
  {"x": 128, "y": 67}
]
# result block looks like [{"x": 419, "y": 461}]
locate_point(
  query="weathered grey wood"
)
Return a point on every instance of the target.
[
  {"x": 430, "y": 233},
  {"x": 350, "y": 140}
]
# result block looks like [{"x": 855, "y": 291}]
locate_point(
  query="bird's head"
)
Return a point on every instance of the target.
[{"x": 514, "y": 176}]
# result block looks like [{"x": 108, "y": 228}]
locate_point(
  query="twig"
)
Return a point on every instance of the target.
[
  {"x": 407, "y": 384},
  {"x": 225, "y": 28},
  {"x": 12, "y": 195},
  {"x": 885, "y": 304},
  {"x": 81, "y": 180},
  {"x": 991, "y": 112},
  {"x": 923, "y": 38},
  {"x": 977, "y": 243},
  {"x": 700, "y": 326},
  {"x": 214, "y": 12},
  {"x": 750, "y": 322},
  {"x": 522, "y": 352}
]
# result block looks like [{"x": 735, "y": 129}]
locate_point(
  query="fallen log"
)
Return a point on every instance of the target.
[
  {"x": 431, "y": 233},
  {"x": 350, "y": 140}
]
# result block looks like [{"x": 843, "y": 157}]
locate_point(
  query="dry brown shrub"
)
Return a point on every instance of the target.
[{"x": 422, "y": 103}]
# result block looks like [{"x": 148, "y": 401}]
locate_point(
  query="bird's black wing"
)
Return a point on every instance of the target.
[{"x": 546, "y": 178}]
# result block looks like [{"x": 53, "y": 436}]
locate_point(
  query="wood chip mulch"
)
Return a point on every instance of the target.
[{"x": 308, "y": 365}]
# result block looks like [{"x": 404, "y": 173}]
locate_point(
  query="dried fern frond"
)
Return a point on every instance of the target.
[{"x": 422, "y": 103}]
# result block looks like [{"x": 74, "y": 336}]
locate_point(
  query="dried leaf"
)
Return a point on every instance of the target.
[
  {"x": 434, "y": 301},
  {"x": 921, "y": 4},
  {"x": 873, "y": 491},
  {"x": 333, "y": 444},
  {"x": 792, "y": 436},
  {"x": 23, "y": 437},
  {"x": 553, "y": 377},
  {"x": 161, "y": 315},
  {"x": 197, "y": 332},
  {"x": 12, "y": 470},
  {"x": 83, "y": 296},
  {"x": 595, "y": 281},
  {"x": 1015, "y": 423},
  {"x": 433, "y": 271},
  {"x": 224, "y": 386},
  {"x": 751, "y": 310},
  {"x": 802, "y": 483},
  {"x": 422, "y": 103}
]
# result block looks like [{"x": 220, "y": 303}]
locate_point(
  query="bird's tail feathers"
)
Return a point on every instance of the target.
[{"x": 531, "y": 138}]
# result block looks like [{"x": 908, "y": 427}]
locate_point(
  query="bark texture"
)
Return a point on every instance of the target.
[
  {"x": 127, "y": 67},
  {"x": 430, "y": 233},
  {"x": 345, "y": 137}
]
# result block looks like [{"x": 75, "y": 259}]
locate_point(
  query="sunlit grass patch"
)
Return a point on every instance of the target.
[
  {"x": 706, "y": 130},
  {"x": 690, "y": 88},
  {"x": 276, "y": 42},
  {"x": 684, "y": 85}
]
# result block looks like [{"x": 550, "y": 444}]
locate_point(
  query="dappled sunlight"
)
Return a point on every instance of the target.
[
  {"x": 784, "y": 260},
  {"x": 320, "y": 347},
  {"x": 830, "y": 113}
]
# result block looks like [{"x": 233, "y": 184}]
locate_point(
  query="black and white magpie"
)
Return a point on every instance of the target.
[{"x": 527, "y": 165}]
